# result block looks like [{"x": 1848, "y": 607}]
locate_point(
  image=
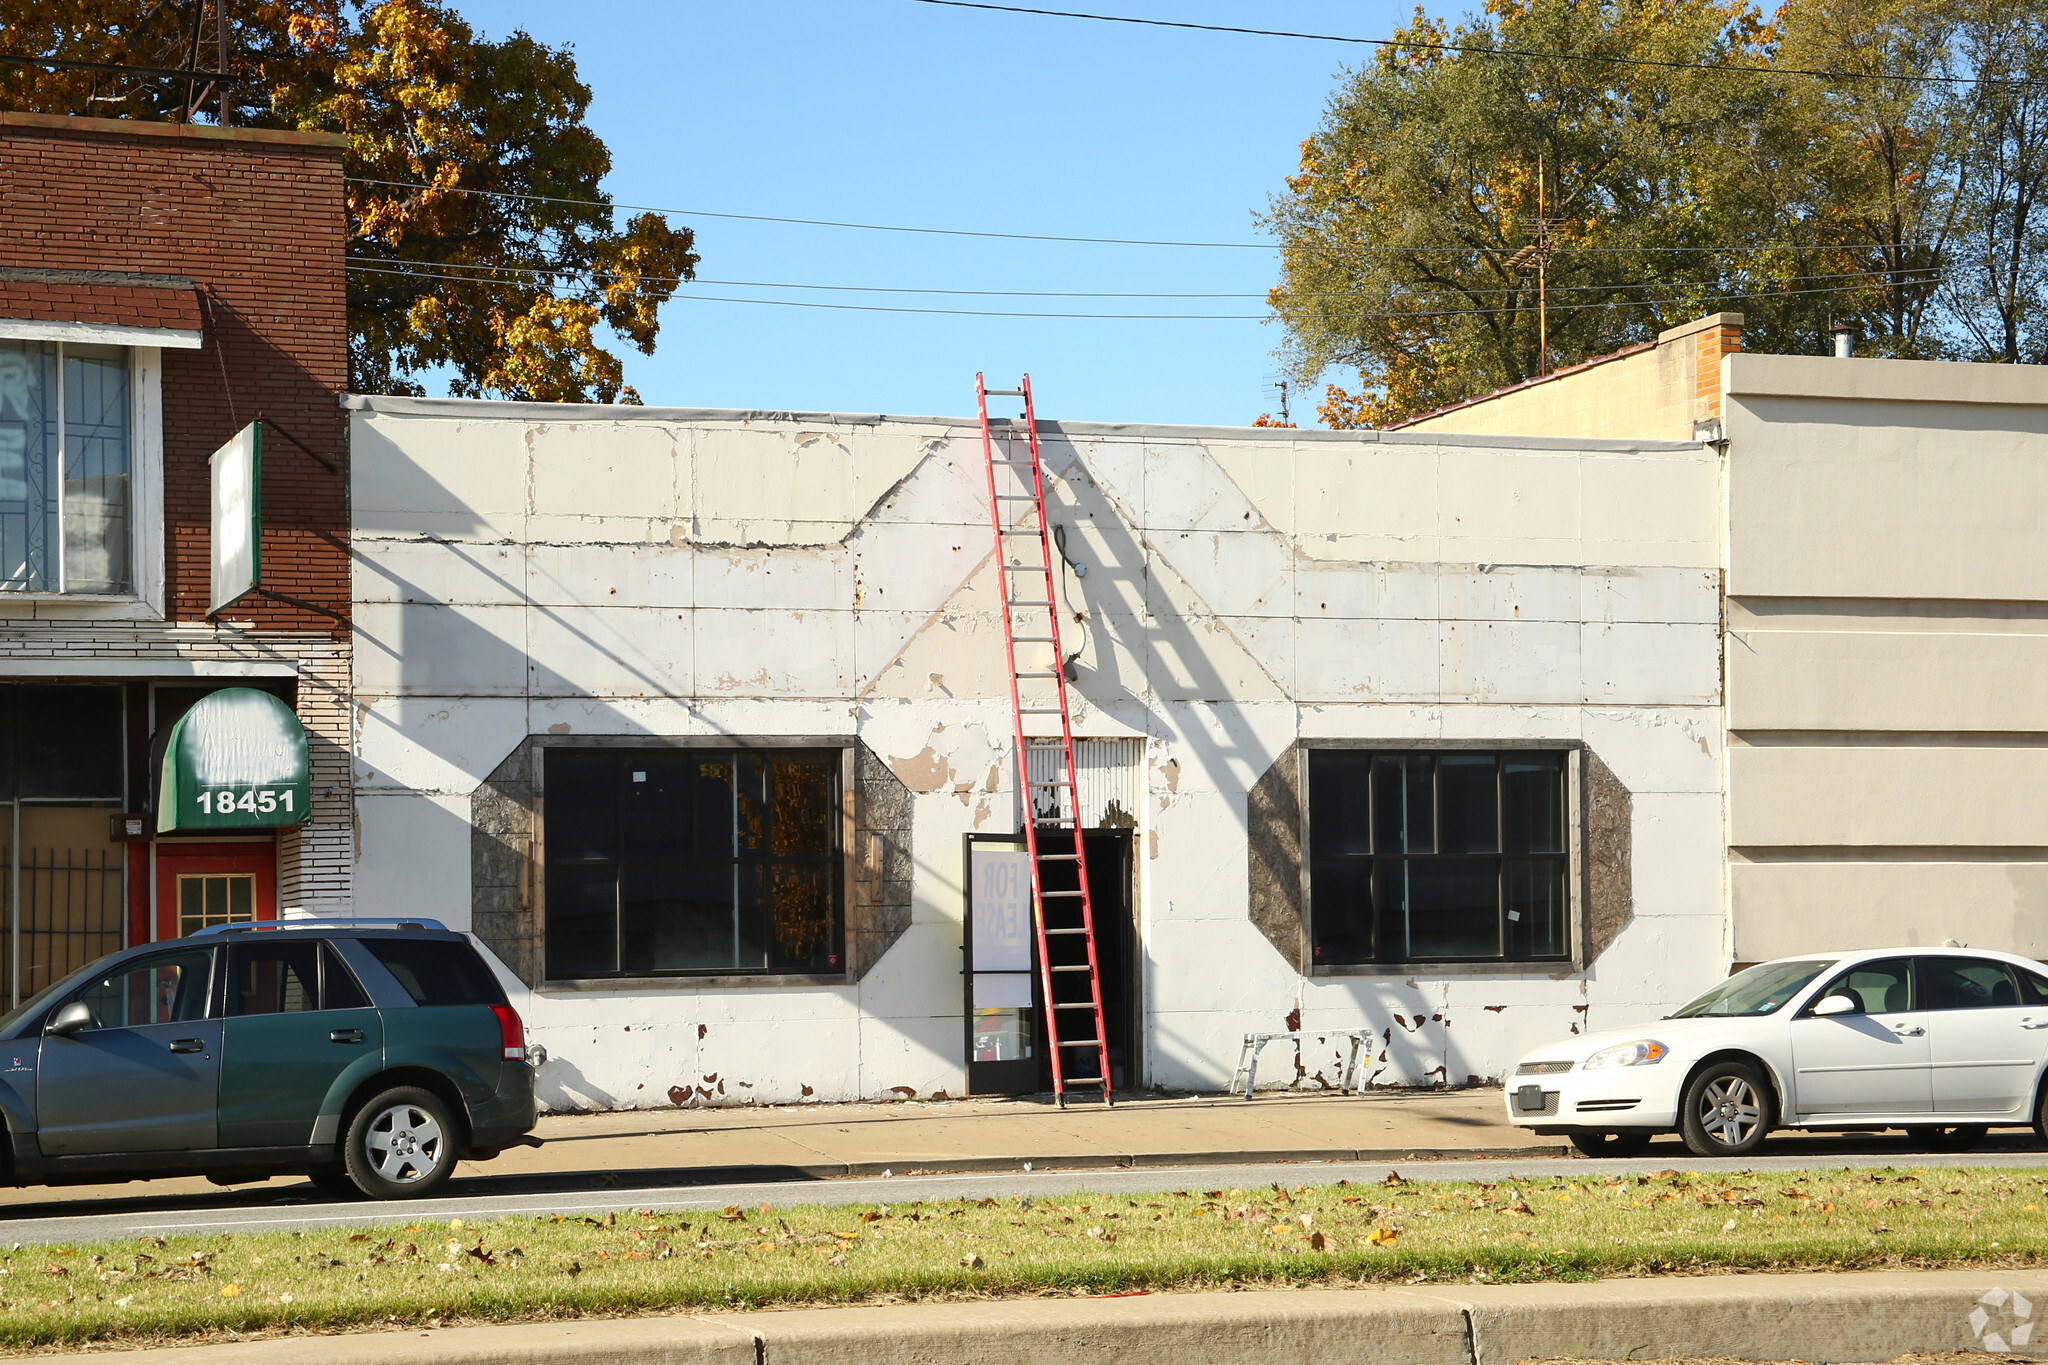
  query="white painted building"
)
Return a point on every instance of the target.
[{"x": 598, "y": 650}]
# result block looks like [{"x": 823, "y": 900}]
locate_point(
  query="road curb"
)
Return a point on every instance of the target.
[
  {"x": 1108, "y": 1160},
  {"x": 1858, "y": 1316}
]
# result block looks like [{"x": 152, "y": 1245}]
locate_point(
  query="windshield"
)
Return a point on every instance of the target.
[{"x": 1759, "y": 990}]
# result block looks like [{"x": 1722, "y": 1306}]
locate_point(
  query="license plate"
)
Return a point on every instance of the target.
[{"x": 1529, "y": 1097}]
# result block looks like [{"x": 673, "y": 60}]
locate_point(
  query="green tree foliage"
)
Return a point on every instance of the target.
[
  {"x": 1912, "y": 211},
  {"x": 507, "y": 297}
]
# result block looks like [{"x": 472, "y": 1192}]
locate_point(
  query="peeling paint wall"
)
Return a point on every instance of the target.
[{"x": 528, "y": 571}]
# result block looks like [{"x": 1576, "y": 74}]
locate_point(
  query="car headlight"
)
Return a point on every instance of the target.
[{"x": 1642, "y": 1052}]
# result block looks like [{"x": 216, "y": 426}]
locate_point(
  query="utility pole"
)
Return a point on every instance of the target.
[
  {"x": 220, "y": 22},
  {"x": 1537, "y": 256}
]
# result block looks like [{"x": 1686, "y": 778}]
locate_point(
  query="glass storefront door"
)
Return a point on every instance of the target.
[{"x": 1003, "y": 1033}]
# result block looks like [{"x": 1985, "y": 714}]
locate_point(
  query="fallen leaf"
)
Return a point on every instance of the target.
[
  {"x": 1728, "y": 1226},
  {"x": 971, "y": 1261},
  {"x": 1317, "y": 1242},
  {"x": 1382, "y": 1236},
  {"x": 229, "y": 1291}
]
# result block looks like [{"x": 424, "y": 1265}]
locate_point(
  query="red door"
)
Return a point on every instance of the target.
[{"x": 200, "y": 885}]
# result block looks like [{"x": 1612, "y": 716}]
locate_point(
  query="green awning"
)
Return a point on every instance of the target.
[{"x": 236, "y": 760}]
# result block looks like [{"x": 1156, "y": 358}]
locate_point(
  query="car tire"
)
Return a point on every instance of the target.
[
  {"x": 402, "y": 1144},
  {"x": 1726, "y": 1110},
  {"x": 1611, "y": 1144},
  {"x": 1960, "y": 1138},
  {"x": 334, "y": 1182}
]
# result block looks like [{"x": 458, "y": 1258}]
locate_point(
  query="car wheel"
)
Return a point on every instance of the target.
[
  {"x": 1727, "y": 1110},
  {"x": 402, "y": 1144},
  {"x": 334, "y": 1182},
  {"x": 1962, "y": 1138},
  {"x": 1611, "y": 1144}
]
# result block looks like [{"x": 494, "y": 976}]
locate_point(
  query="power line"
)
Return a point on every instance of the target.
[
  {"x": 1475, "y": 50},
  {"x": 601, "y": 275},
  {"x": 448, "y": 277},
  {"x": 1111, "y": 241}
]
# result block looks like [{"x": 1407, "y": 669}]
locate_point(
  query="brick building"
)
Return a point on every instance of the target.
[{"x": 162, "y": 289}]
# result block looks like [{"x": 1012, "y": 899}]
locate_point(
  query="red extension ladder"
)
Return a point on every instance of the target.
[{"x": 1063, "y": 918}]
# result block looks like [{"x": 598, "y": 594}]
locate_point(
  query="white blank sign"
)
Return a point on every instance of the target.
[{"x": 237, "y": 517}]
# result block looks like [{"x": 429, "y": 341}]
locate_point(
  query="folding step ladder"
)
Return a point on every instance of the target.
[{"x": 1063, "y": 918}]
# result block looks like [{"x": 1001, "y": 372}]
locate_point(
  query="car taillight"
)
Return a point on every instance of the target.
[{"x": 511, "y": 1033}]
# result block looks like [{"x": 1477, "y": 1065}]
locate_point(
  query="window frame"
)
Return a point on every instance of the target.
[
  {"x": 144, "y": 598},
  {"x": 842, "y": 745},
  {"x": 1574, "y": 855}
]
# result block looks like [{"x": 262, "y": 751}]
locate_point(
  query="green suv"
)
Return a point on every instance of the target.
[{"x": 369, "y": 1055}]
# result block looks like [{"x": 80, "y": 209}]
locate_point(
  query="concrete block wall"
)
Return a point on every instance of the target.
[
  {"x": 526, "y": 571},
  {"x": 1887, "y": 627}
]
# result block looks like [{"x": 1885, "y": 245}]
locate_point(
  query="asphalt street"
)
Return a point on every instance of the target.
[{"x": 275, "y": 1208}]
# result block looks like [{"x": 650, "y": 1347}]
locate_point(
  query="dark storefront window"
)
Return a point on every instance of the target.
[
  {"x": 1450, "y": 856},
  {"x": 681, "y": 861},
  {"x": 61, "y": 875}
]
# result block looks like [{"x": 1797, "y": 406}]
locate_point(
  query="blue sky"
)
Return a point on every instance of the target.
[{"x": 891, "y": 111}]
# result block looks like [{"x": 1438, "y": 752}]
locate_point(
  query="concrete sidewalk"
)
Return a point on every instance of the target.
[
  {"x": 820, "y": 1141},
  {"x": 1002, "y": 1134},
  {"x": 1820, "y": 1318}
]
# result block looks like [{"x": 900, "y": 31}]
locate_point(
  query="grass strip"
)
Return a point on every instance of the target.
[{"x": 154, "y": 1290}]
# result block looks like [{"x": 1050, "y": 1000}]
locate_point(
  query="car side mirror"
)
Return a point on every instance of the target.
[
  {"x": 70, "y": 1019},
  {"x": 1836, "y": 1004}
]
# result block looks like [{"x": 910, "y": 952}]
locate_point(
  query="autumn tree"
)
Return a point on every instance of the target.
[
  {"x": 481, "y": 242},
  {"x": 1902, "y": 191}
]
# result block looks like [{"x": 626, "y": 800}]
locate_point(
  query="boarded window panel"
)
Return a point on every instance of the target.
[
  {"x": 1537, "y": 910},
  {"x": 678, "y": 918},
  {"x": 1454, "y": 908},
  {"x": 1343, "y": 911},
  {"x": 802, "y": 807},
  {"x": 583, "y": 920},
  {"x": 67, "y": 742},
  {"x": 1468, "y": 804},
  {"x": 799, "y": 901},
  {"x": 658, "y": 790},
  {"x": 722, "y": 861},
  {"x": 1340, "y": 803},
  {"x": 1532, "y": 803},
  {"x": 582, "y": 811}
]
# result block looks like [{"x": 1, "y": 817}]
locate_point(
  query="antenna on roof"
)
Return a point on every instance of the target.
[{"x": 1276, "y": 390}]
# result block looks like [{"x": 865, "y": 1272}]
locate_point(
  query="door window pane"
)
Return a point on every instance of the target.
[
  {"x": 339, "y": 989},
  {"x": 169, "y": 988},
  {"x": 274, "y": 978},
  {"x": 207, "y": 899},
  {"x": 1965, "y": 983},
  {"x": 1880, "y": 987},
  {"x": 1465, "y": 859},
  {"x": 715, "y": 861}
]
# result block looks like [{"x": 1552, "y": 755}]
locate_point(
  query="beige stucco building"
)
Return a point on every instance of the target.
[{"x": 1884, "y": 627}]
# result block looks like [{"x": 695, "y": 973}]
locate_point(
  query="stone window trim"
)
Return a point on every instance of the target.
[
  {"x": 508, "y": 826},
  {"x": 1597, "y": 847}
]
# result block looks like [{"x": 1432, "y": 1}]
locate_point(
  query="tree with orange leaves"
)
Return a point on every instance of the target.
[{"x": 481, "y": 243}]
